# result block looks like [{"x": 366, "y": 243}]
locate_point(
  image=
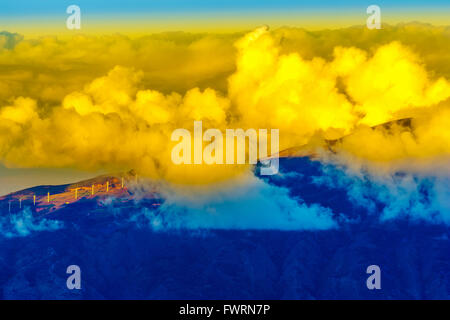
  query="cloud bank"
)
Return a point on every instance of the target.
[{"x": 111, "y": 102}]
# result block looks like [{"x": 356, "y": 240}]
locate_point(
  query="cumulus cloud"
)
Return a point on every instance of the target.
[
  {"x": 49, "y": 68},
  {"x": 420, "y": 141},
  {"x": 112, "y": 102}
]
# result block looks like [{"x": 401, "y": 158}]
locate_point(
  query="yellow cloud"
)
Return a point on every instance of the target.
[
  {"x": 112, "y": 102},
  {"x": 390, "y": 81}
]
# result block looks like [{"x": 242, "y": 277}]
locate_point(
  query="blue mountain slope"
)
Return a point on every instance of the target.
[{"x": 122, "y": 257}]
